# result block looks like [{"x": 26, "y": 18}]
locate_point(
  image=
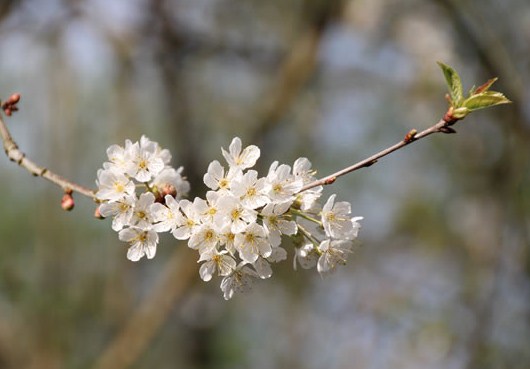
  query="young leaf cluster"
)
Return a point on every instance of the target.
[{"x": 478, "y": 97}]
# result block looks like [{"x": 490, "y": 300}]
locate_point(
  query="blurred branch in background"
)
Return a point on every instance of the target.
[
  {"x": 294, "y": 70},
  {"x": 298, "y": 66},
  {"x": 178, "y": 276}
]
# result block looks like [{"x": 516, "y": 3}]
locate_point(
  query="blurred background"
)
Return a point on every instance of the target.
[{"x": 442, "y": 279}]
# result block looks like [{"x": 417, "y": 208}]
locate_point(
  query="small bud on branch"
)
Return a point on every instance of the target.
[
  {"x": 97, "y": 214},
  {"x": 409, "y": 137},
  {"x": 10, "y": 105},
  {"x": 67, "y": 202}
]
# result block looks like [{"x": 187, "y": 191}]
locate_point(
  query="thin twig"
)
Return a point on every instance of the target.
[
  {"x": 442, "y": 126},
  {"x": 14, "y": 154}
]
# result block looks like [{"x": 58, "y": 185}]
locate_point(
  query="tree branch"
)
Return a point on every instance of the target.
[
  {"x": 442, "y": 126},
  {"x": 16, "y": 155}
]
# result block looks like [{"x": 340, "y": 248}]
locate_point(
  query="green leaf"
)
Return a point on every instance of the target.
[
  {"x": 483, "y": 88},
  {"x": 453, "y": 83},
  {"x": 484, "y": 100}
]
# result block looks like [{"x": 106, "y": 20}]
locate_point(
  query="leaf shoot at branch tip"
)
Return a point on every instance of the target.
[{"x": 479, "y": 98}]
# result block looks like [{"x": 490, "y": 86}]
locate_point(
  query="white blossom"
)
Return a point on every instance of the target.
[
  {"x": 251, "y": 190},
  {"x": 307, "y": 256},
  {"x": 253, "y": 243},
  {"x": 333, "y": 253},
  {"x": 227, "y": 238},
  {"x": 166, "y": 216},
  {"x": 204, "y": 237},
  {"x": 152, "y": 147},
  {"x": 241, "y": 159},
  {"x": 281, "y": 184},
  {"x": 238, "y": 226},
  {"x": 240, "y": 280},
  {"x": 186, "y": 222},
  {"x": 302, "y": 170},
  {"x": 121, "y": 211},
  {"x": 234, "y": 214},
  {"x": 336, "y": 220},
  {"x": 275, "y": 224},
  {"x": 308, "y": 198},
  {"x": 113, "y": 185},
  {"x": 217, "y": 178},
  {"x": 219, "y": 261},
  {"x": 119, "y": 158},
  {"x": 208, "y": 209},
  {"x": 142, "y": 216},
  {"x": 143, "y": 241},
  {"x": 147, "y": 164}
]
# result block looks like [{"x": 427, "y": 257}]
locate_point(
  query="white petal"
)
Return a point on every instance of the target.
[
  {"x": 263, "y": 268},
  {"x": 278, "y": 254},
  {"x": 127, "y": 235},
  {"x": 206, "y": 271},
  {"x": 227, "y": 265},
  {"x": 323, "y": 264},
  {"x": 227, "y": 286},
  {"x": 329, "y": 204},
  {"x": 287, "y": 227},
  {"x": 249, "y": 157},
  {"x": 135, "y": 252},
  {"x": 247, "y": 254}
]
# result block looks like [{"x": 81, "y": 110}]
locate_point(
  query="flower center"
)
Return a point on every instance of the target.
[
  {"x": 330, "y": 216},
  {"x": 251, "y": 192},
  {"x": 223, "y": 183},
  {"x": 235, "y": 214},
  {"x": 209, "y": 235},
  {"x": 119, "y": 187},
  {"x": 142, "y": 164}
]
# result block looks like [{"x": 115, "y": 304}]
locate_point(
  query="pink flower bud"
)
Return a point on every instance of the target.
[
  {"x": 168, "y": 189},
  {"x": 97, "y": 214},
  {"x": 67, "y": 202},
  {"x": 14, "y": 98}
]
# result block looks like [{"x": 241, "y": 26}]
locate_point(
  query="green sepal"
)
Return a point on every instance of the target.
[{"x": 454, "y": 84}]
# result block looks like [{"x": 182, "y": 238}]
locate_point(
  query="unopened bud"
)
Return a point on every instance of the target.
[
  {"x": 8, "y": 112},
  {"x": 97, "y": 214},
  {"x": 168, "y": 189},
  {"x": 14, "y": 98},
  {"x": 67, "y": 202},
  {"x": 409, "y": 137}
]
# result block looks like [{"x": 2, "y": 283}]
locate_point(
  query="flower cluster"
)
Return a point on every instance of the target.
[
  {"x": 238, "y": 227},
  {"x": 141, "y": 165}
]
